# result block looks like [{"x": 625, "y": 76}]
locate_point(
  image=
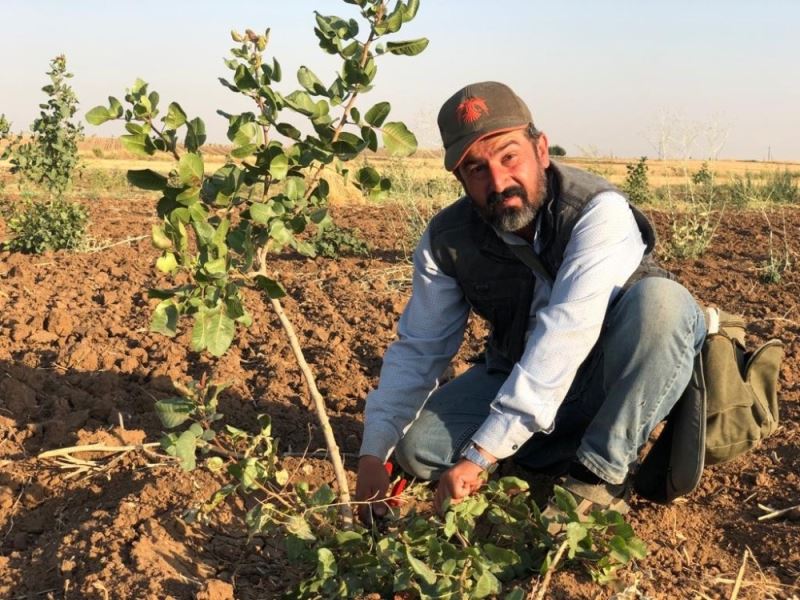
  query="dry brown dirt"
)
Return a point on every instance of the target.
[{"x": 78, "y": 365}]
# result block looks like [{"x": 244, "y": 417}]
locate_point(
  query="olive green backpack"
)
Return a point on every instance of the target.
[{"x": 729, "y": 406}]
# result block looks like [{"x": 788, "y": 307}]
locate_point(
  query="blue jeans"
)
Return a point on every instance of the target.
[{"x": 633, "y": 377}]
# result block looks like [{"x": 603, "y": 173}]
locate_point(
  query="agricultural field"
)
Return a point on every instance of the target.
[
  {"x": 79, "y": 366},
  {"x": 189, "y": 331}
]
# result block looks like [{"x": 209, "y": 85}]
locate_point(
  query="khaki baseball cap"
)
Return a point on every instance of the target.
[{"x": 475, "y": 111}]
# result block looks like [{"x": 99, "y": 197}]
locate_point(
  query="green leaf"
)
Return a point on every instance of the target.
[
  {"x": 166, "y": 263},
  {"x": 244, "y": 151},
  {"x": 619, "y": 550},
  {"x": 260, "y": 213},
  {"x": 326, "y": 564},
  {"x": 410, "y": 10},
  {"x": 174, "y": 411},
  {"x": 295, "y": 188},
  {"x": 139, "y": 144},
  {"x": 407, "y": 48},
  {"x": 165, "y": 319},
  {"x": 195, "y": 134},
  {"x": 501, "y": 556},
  {"x": 347, "y": 537},
  {"x": 323, "y": 496},
  {"x": 637, "y": 548},
  {"x": 376, "y": 115},
  {"x": 159, "y": 238},
  {"x": 216, "y": 267},
  {"x": 399, "y": 141},
  {"x": 420, "y": 568},
  {"x": 214, "y": 463},
  {"x": 213, "y": 330},
  {"x": 175, "y": 116},
  {"x": 279, "y": 233},
  {"x": 146, "y": 179},
  {"x": 516, "y": 594},
  {"x": 509, "y": 484},
  {"x": 311, "y": 82},
  {"x": 281, "y": 477},
  {"x": 244, "y": 78},
  {"x": 185, "y": 449},
  {"x": 300, "y": 528},
  {"x": 576, "y": 533},
  {"x": 289, "y": 131},
  {"x": 99, "y": 115},
  {"x": 279, "y": 166},
  {"x": 368, "y": 177},
  {"x": 272, "y": 288},
  {"x": 301, "y": 102},
  {"x": 487, "y": 585},
  {"x": 190, "y": 169},
  {"x": 392, "y": 23},
  {"x": 565, "y": 501}
]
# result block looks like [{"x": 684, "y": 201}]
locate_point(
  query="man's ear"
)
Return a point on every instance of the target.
[
  {"x": 543, "y": 150},
  {"x": 458, "y": 176}
]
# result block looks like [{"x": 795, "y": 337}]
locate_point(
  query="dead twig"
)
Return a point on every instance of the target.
[
  {"x": 93, "y": 448},
  {"x": 118, "y": 243},
  {"x": 738, "y": 584},
  {"x": 774, "y": 514}
]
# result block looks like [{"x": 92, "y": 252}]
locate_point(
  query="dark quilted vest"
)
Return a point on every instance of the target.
[{"x": 496, "y": 284}]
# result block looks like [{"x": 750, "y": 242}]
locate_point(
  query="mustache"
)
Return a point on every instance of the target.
[{"x": 509, "y": 192}]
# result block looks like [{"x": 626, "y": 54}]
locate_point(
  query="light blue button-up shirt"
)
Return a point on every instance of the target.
[{"x": 565, "y": 321}]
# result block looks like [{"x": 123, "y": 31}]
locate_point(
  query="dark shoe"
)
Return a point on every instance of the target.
[{"x": 589, "y": 497}]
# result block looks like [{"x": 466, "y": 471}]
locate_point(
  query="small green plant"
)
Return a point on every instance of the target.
[
  {"x": 333, "y": 241},
  {"x": 703, "y": 176},
  {"x": 49, "y": 157},
  {"x": 481, "y": 547},
  {"x": 777, "y": 264},
  {"x": 636, "y": 185},
  {"x": 44, "y": 225}
]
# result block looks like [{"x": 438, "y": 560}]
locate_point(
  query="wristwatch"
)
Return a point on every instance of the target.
[{"x": 473, "y": 455}]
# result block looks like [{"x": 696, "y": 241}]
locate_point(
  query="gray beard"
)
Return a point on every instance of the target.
[{"x": 514, "y": 219}]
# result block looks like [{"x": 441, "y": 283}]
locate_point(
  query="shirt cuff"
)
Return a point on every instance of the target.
[
  {"x": 379, "y": 440},
  {"x": 502, "y": 435}
]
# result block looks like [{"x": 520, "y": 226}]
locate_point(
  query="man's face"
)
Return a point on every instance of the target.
[{"x": 504, "y": 175}]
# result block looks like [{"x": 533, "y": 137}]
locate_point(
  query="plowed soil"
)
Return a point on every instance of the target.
[{"x": 78, "y": 365}]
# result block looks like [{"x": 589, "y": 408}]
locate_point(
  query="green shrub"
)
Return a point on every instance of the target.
[
  {"x": 333, "y": 241},
  {"x": 781, "y": 187},
  {"x": 704, "y": 176},
  {"x": 636, "y": 185},
  {"x": 557, "y": 150},
  {"x": 777, "y": 186},
  {"x": 48, "y": 225}
]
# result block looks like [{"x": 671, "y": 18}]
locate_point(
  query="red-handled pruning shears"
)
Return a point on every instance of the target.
[{"x": 397, "y": 488}]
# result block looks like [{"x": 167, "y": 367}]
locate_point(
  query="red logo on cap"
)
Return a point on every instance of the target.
[{"x": 472, "y": 109}]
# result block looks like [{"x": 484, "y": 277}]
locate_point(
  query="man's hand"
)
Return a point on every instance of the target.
[
  {"x": 372, "y": 484},
  {"x": 458, "y": 482}
]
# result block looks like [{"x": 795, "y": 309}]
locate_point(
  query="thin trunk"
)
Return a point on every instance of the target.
[{"x": 322, "y": 414}]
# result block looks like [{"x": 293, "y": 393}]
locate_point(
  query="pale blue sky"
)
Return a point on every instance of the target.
[{"x": 605, "y": 77}]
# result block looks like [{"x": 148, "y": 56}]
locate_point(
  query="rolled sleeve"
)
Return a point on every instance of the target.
[{"x": 429, "y": 334}]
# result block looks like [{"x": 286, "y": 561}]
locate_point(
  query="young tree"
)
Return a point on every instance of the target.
[
  {"x": 50, "y": 156},
  {"x": 272, "y": 187}
]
